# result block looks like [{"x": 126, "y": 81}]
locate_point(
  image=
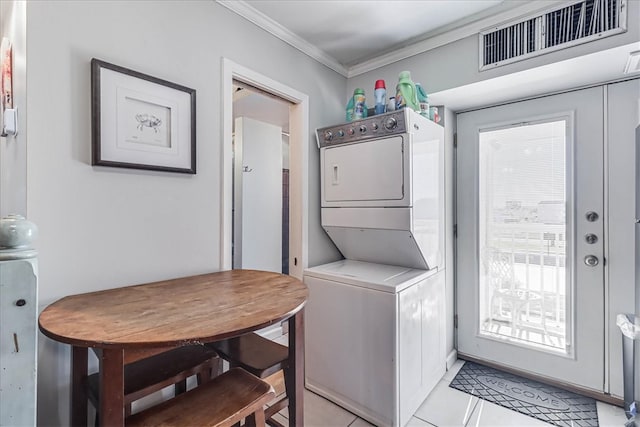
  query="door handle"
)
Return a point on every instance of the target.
[
  {"x": 335, "y": 175},
  {"x": 591, "y": 260}
]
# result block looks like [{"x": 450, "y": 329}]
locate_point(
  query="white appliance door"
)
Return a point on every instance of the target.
[
  {"x": 371, "y": 173},
  {"x": 350, "y": 345}
]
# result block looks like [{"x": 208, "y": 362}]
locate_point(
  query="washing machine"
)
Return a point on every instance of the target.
[{"x": 374, "y": 337}]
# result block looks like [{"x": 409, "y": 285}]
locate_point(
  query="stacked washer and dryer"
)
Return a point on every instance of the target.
[{"x": 375, "y": 321}]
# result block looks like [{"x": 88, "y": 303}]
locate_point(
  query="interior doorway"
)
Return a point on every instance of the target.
[
  {"x": 298, "y": 160},
  {"x": 260, "y": 180}
]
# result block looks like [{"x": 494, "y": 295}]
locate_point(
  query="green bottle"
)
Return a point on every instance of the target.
[
  {"x": 359, "y": 104},
  {"x": 423, "y": 101},
  {"x": 357, "y": 108},
  {"x": 406, "y": 94},
  {"x": 350, "y": 110}
]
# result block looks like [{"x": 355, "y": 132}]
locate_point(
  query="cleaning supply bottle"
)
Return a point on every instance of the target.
[
  {"x": 391, "y": 106},
  {"x": 423, "y": 100},
  {"x": 349, "y": 116},
  {"x": 359, "y": 104},
  {"x": 406, "y": 95},
  {"x": 381, "y": 97}
]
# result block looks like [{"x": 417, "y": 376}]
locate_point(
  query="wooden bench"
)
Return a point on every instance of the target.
[
  {"x": 222, "y": 402},
  {"x": 145, "y": 375},
  {"x": 261, "y": 357}
]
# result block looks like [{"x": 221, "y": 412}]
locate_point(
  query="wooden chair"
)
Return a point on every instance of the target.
[
  {"x": 261, "y": 357},
  {"x": 155, "y": 369},
  {"x": 222, "y": 402}
]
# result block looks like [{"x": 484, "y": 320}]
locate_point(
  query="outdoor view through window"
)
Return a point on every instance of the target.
[{"x": 524, "y": 278}]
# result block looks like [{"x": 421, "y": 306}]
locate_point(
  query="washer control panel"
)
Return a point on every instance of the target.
[{"x": 382, "y": 125}]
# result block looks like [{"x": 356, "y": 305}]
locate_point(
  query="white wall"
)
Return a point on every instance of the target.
[
  {"x": 13, "y": 149},
  {"x": 623, "y": 104},
  {"x": 107, "y": 227},
  {"x": 449, "y": 197}
]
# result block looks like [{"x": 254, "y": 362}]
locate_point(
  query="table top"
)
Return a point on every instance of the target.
[{"x": 189, "y": 310}]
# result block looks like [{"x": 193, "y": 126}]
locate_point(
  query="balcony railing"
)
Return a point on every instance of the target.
[{"x": 523, "y": 271}]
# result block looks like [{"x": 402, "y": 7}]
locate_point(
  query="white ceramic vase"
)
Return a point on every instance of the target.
[{"x": 16, "y": 232}]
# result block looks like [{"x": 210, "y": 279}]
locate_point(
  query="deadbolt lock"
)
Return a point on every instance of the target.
[
  {"x": 592, "y": 216},
  {"x": 591, "y": 238}
]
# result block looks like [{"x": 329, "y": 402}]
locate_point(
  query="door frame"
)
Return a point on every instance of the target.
[{"x": 298, "y": 169}]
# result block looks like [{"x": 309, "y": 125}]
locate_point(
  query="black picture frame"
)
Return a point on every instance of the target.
[{"x": 140, "y": 121}]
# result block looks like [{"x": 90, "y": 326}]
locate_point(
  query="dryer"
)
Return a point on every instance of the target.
[{"x": 382, "y": 181}]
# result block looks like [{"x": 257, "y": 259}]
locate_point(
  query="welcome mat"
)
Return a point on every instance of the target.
[{"x": 544, "y": 402}]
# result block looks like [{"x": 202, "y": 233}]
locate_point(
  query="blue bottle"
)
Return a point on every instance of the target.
[{"x": 380, "y": 94}]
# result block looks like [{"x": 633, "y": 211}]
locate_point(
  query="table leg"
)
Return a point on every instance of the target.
[
  {"x": 295, "y": 373},
  {"x": 79, "y": 360},
  {"x": 112, "y": 387}
]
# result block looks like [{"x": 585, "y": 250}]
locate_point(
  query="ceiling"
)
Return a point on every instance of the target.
[
  {"x": 354, "y": 31},
  {"x": 356, "y": 36},
  {"x": 259, "y": 106},
  {"x": 346, "y": 34},
  {"x": 343, "y": 34}
]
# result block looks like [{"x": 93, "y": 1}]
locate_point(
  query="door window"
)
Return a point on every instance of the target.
[{"x": 522, "y": 235}]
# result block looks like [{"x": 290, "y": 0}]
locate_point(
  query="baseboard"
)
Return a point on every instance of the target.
[
  {"x": 603, "y": 397},
  {"x": 451, "y": 358}
]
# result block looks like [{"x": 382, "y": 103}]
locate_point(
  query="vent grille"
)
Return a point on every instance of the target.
[{"x": 577, "y": 23}]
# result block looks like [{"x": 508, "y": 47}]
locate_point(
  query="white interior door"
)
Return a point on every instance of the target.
[
  {"x": 257, "y": 237},
  {"x": 530, "y": 269}
]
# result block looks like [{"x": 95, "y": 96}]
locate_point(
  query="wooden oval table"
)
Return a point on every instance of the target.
[{"x": 158, "y": 316}]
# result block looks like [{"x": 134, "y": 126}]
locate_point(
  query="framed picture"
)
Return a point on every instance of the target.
[{"x": 141, "y": 122}]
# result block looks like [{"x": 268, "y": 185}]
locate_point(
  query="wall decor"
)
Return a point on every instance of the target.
[
  {"x": 6, "y": 81},
  {"x": 141, "y": 122}
]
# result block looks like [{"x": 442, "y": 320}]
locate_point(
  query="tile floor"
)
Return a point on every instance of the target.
[{"x": 444, "y": 407}]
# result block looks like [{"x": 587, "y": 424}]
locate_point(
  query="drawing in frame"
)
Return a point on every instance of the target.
[{"x": 140, "y": 121}]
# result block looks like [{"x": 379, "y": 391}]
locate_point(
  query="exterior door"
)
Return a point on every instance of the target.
[{"x": 530, "y": 270}]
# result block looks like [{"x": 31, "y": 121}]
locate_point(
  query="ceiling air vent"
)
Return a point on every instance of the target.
[{"x": 558, "y": 28}]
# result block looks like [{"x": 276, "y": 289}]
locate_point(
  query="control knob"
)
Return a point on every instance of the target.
[
  {"x": 391, "y": 123},
  {"x": 363, "y": 128},
  {"x": 340, "y": 133},
  {"x": 374, "y": 126},
  {"x": 351, "y": 131},
  {"x": 328, "y": 135}
]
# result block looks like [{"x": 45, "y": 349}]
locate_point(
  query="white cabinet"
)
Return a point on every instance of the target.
[{"x": 18, "y": 338}]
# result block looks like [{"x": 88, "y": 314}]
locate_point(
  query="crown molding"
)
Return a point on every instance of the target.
[
  {"x": 261, "y": 20},
  {"x": 435, "y": 40},
  {"x": 449, "y": 36}
]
